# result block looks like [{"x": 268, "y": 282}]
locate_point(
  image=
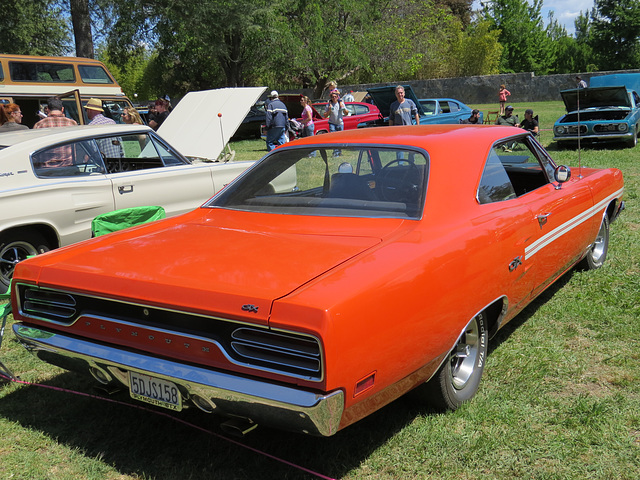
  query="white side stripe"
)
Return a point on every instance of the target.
[{"x": 566, "y": 227}]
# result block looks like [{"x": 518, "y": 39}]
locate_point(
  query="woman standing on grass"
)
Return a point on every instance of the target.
[{"x": 503, "y": 93}]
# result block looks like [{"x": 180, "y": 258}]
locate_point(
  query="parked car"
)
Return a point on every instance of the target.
[
  {"x": 599, "y": 114},
  {"x": 444, "y": 111},
  {"x": 54, "y": 181},
  {"x": 431, "y": 110},
  {"x": 250, "y": 126},
  {"x": 380, "y": 272},
  {"x": 361, "y": 114}
]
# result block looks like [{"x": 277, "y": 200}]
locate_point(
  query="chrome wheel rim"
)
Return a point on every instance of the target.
[
  {"x": 464, "y": 355},
  {"x": 600, "y": 245},
  {"x": 11, "y": 255}
]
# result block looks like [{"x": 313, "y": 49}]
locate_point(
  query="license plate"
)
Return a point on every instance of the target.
[{"x": 155, "y": 391}]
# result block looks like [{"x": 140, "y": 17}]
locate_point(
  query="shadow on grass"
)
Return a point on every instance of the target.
[{"x": 138, "y": 441}]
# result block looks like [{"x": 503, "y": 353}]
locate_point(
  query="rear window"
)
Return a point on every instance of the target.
[
  {"x": 41, "y": 72},
  {"x": 335, "y": 180}
]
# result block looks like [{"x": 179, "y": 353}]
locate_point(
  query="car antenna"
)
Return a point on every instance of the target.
[
  {"x": 579, "y": 149},
  {"x": 228, "y": 156}
]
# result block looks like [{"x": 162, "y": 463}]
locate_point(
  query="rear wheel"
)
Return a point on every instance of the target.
[
  {"x": 14, "y": 248},
  {"x": 598, "y": 251},
  {"x": 458, "y": 378}
]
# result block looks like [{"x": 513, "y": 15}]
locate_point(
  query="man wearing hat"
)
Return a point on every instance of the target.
[
  {"x": 508, "y": 118},
  {"x": 109, "y": 147},
  {"x": 529, "y": 123},
  {"x": 277, "y": 118},
  {"x": 95, "y": 113}
]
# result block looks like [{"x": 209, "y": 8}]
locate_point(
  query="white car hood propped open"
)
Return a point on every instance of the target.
[{"x": 202, "y": 123}]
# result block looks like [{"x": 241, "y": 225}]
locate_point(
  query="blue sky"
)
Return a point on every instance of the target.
[{"x": 565, "y": 11}]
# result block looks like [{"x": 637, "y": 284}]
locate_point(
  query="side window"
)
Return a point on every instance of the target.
[
  {"x": 429, "y": 108},
  {"x": 75, "y": 159},
  {"x": 514, "y": 167},
  {"x": 495, "y": 185},
  {"x": 361, "y": 109},
  {"x": 444, "y": 107},
  {"x": 136, "y": 152},
  {"x": 168, "y": 156}
]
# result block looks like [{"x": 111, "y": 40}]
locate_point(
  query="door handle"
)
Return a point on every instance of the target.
[
  {"x": 125, "y": 189},
  {"x": 542, "y": 219}
]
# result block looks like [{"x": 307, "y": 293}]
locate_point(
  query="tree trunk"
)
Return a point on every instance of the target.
[{"x": 82, "y": 27}]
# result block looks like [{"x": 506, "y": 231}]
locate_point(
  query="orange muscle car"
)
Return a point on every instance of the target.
[{"x": 391, "y": 263}]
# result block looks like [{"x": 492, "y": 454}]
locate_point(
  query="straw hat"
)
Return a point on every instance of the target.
[{"x": 94, "y": 104}]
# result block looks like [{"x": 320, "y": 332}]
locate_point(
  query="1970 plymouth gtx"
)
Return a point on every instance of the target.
[{"x": 397, "y": 256}]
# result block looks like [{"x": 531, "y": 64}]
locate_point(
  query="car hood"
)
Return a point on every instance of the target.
[
  {"x": 595, "y": 97},
  {"x": 213, "y": 262},
  {"x": 202, "y": 123},
  {"x": 383, "y": 97}
]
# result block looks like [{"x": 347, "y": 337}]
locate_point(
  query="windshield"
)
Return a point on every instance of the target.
[{"x": 333, "y": 181}]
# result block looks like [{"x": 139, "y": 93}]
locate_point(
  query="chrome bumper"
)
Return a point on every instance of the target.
[{"x": 282, "y": 407}]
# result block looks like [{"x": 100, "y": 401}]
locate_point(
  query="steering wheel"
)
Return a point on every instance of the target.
[{"x": 396, "y": 184}]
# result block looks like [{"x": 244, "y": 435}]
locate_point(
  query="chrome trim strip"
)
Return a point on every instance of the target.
[
  {"x": 315, "y": 340},
  {"x": 283, "y": 407},
  {"x": 558, "y": 232}
]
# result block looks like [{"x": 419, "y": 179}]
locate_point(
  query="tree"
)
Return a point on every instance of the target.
[
  {"x": 527, "y": 48},
  {"x": 34, "y": 27},
  {"x": 615, "y": 33},
  {"x": 81, "y": 21}
]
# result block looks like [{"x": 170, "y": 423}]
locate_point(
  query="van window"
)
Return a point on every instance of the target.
[
  {"x": 1, "y": 73},
  {"x": 41, "y": 72},
  {"x": 93, "y": 74}
]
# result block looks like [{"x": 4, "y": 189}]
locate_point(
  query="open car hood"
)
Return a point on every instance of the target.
[
  {"x": 383, "y": 97},
  {"x": 202, "y": 123},
  {"x": 595, "y": 97}
]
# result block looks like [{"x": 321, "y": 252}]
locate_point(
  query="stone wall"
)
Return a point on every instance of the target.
[{"x": 524, "y": 87}]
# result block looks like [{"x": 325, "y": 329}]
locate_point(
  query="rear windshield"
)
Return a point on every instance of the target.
[{"x": 346, "y": 181}]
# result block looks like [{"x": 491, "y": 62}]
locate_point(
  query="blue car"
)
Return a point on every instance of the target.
[
  {"x": 431, "y": 110},
  {"x": 599, "y": 114},
  {"x": 444, "y": 110}
]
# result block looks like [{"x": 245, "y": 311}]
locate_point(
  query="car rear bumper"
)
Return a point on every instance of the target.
[{"x": 262, "y": 402}]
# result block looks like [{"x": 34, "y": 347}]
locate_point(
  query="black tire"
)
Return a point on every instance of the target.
[
  {"x": 14, "y": 248},
  {"x": 598, "y": 251},
  {"x": 458, "y": 378},
  {"x": 633, "y": 141}
]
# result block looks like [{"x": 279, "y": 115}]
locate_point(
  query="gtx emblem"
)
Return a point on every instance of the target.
[{"x": 250, "y": 308}]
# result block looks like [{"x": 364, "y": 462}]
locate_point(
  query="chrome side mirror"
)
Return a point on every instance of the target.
[{"x": 562, "y": 174}]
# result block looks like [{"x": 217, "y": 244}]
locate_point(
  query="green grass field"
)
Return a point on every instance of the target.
[{"x": 560, "y": 397}]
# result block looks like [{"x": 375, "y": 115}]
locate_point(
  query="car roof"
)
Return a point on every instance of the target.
[
  {"x": 46, "y": 136},
  {"x": 448, "y": 137}
]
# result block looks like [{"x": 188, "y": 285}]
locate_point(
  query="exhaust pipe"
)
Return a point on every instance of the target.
[{"x": 238, "y": 426}]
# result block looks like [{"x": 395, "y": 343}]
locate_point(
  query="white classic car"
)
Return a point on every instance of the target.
[{"x": 54, "y": 181}]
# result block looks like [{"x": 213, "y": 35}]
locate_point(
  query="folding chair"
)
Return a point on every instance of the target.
[{"x": 491, "y": 117}]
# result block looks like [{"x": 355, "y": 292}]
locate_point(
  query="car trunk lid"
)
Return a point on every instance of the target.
[{"x": 212, "y": 262}]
